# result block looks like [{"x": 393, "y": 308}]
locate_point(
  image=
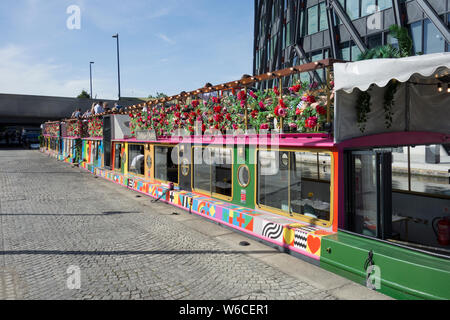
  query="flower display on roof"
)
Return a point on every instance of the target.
[
  {"x": 303, "y": 109},
  {"x": 95, "y": 127},
  {"x": 52, "y": 129}
]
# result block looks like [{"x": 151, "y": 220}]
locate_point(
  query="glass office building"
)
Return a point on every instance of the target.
[{"x": 292, "y": 32}]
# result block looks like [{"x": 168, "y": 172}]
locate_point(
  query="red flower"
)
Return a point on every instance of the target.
[
  {"x": 195, "y": 103},
  {"x": 309, "y": 99},
  {"x": 295, "y": 88},
  {"x": 277, "y": 111},
  {"x": 215, "y": 100},
  {"x": 252, "y": 94},
  {"x": 228, "y": 116},
  {"x": 321, "y": 110},
  {"x": 282, "y": 104},
  {"x": 275, "y": 89},
  {"x": 262, "y": 106},
  {"x": 311, "y": 122},
  {"x": 217, "y": 109},
  {"x": 254, "y": 113},
  {"x": 282, "y": 112},
  {"x": 242, "y": 95},
  {"x": 264, "y": 126}
]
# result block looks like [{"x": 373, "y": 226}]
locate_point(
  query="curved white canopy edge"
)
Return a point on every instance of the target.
[{"x": 362, "y": 74}]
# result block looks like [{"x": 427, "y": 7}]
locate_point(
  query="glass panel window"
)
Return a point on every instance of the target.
[
  {"x": 202, "y": 169},
  {"x": 117, "y": 156},
  {"x": 365, "y": 196},
  {"x": 309, "y": 197},
  {"x": 355, "y": 52},
  {"x": 313, "y": 17},
  {"x": 213, "y": 170},
  {"x": 400, "y": 168},
  {"x": 345, "y": 53},
  {"x": 166, "y": 163},
  {"x": 368, "y": 7},
  {"x": 375, "y": 40},
  {"x": 324, "y": 166},
  {"x": 273, "y": 180},
  {"x": 289, "y": 182},
  {"x": 434, "y": 41},
  {"x": 384, "y": 4},
  {"x": 306, "y": 165},
  {"x": 353, "y": 9},
  {"x": 323, "y": 23},
  {"x": 416, "y": 33},
  {"x": 222, "y": 175},
  {"x": 136, "y": 159},
  {"x": 430, "y": 167}
]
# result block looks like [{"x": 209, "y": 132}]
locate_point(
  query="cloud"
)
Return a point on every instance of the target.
[
  {"x": 21, "y": 74},
  {"x": 166, "y": 38}
]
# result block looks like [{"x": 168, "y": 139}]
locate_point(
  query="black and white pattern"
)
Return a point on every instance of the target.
[
  {"x": 301, "y": 237},
  {"x": 272, "y": 231},
  {"x": 186, "y": 201},
  {"x": 130, "y": 183}
]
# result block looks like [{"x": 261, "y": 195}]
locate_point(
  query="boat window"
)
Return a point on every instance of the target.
[
  {"x": 136, "y": 159},
  {"x": 422, "y": 169},
  {"x": 213, "y": 171},
  {"x": 221, "y": 172},
  {"x": 117, "y": 156},
  {"x": 97, "y": 151},
  {"x": 289, "y": 182},
  {"x": 202, "y": 169},
  {"x": 399, "y": 194},
  {"x": 92, "y": 147},
  {"x": 166, "y": 163}
]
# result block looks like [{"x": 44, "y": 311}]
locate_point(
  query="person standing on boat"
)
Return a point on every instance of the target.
[
  {"x": 208, "y": 95},
  {"x": 98, "y": 108}
]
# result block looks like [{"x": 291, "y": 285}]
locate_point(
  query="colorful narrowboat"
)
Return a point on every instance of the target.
[{"x": 352, "y": 174}]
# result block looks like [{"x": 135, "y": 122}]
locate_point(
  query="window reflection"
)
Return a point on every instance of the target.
[
  {"x": 213, "y": 170},
  {"x": 434, "y": 41},
  {"x": 290, "y": 182},
  {"x": 136, "y": 159}
]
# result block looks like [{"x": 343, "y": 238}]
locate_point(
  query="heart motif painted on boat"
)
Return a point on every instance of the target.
[{"x": 313, "y": 244}]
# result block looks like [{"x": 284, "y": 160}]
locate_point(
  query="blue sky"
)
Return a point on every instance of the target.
[{"x": 165, "y": 46}]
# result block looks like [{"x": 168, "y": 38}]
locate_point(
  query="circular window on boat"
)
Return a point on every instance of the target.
[
  {"x": 243, "y": 176},
  {"x": 284, "y": 159},
  {"x": 185, "y": 167},
  {"x": 149, "y": 161}
]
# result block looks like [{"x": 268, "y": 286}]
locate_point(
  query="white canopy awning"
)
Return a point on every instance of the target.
[
  {"x": 418, "y": 106},
  {"x": 362, "y": 74}
]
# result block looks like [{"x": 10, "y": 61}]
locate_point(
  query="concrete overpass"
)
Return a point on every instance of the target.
[{"x": 29, "y": 110}]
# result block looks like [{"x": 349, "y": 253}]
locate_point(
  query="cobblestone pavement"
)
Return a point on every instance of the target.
[{"x": 53, "y": 216}]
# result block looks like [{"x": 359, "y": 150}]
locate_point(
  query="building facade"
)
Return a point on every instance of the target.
[{"x": 293, "y": 32}]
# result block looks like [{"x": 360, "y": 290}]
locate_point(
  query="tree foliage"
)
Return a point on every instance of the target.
[
  {"x": 84, "y": 95},
  {"x": 158, "y": 95}
]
